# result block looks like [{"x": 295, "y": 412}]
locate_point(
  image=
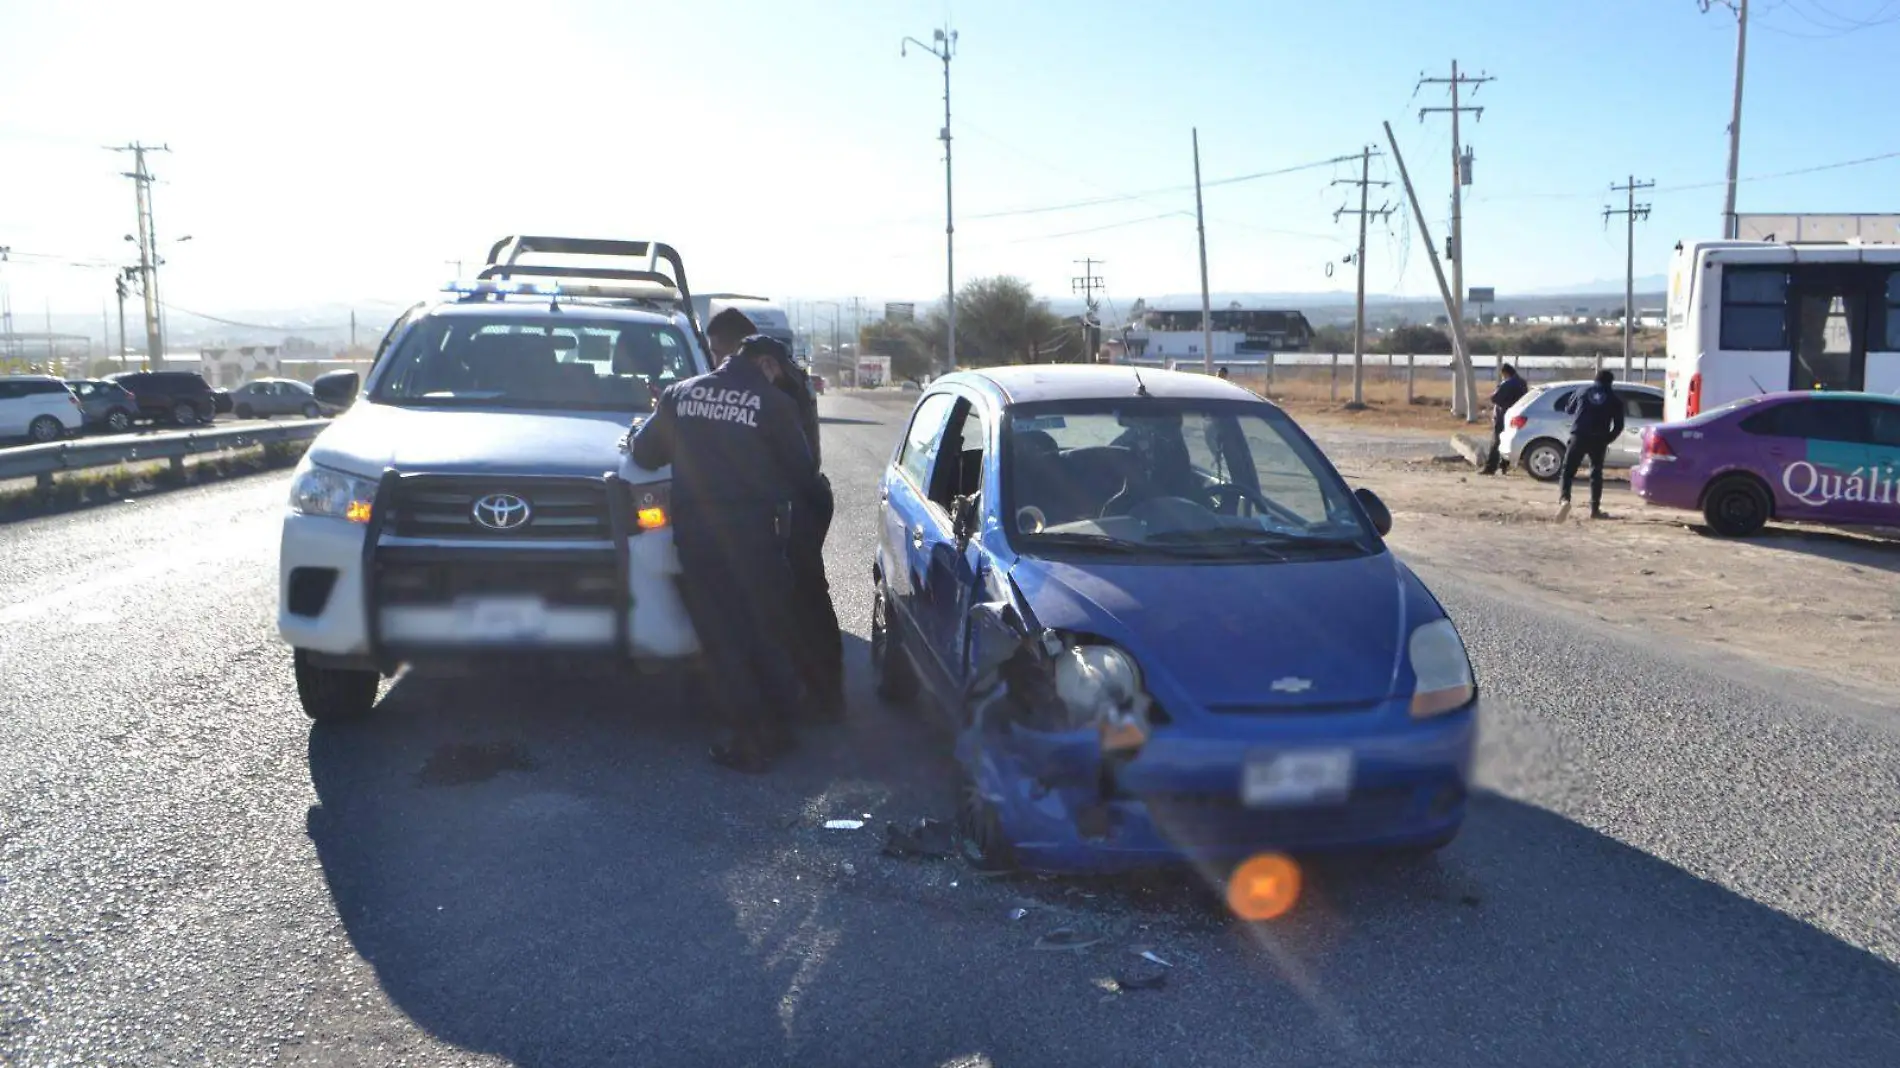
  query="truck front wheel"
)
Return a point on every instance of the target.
[{"x": 331, "y": 694}]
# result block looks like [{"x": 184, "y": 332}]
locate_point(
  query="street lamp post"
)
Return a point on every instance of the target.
[{"x": 944, "y": 46}]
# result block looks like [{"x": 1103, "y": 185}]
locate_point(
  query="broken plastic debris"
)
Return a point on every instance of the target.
[
  {"x": 1017, "y": 914},
  {"x": 923, "y": 838},
  {"x": 1149, "y": 955},
  {"x": 1141, "y": 977},
  {"x": 1065, "y": 938},
  {"x": 843, "y": 825},
  {"x": 850, "y": 868}
]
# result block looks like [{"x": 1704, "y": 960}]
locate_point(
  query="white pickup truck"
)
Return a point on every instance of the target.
[{"x": 474, "y": 499}]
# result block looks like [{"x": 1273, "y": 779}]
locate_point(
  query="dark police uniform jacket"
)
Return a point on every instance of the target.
[
  {"x": 1597, "y": 412},
  {"x": 737, "y": 450}
]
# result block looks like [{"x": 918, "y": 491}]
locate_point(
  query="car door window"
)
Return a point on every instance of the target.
[
  {"x": 1639, "y": 405},
  {"x": 1814, "y": 420},
  {"x": 958, "y": 471},
  {"x": 1883, "y": 425},
  {"x": 920, "y": 442}
]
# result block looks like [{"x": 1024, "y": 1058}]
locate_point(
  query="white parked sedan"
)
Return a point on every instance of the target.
[{"x": 1537, "y": 428}]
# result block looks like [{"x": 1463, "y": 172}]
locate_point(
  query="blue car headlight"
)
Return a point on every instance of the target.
[
  {"x": 325, "y": 492},
  {"x": 1100, "y": 686},
  {"x": 1443, "y": 670}
]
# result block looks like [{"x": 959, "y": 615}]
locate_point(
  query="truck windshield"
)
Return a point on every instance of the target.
[{"x": 572, "y": 364}]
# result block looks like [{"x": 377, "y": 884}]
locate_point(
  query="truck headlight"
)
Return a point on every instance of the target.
[
  {"x": 321, "y": 491},
  {"x": 1442, "y": 669}
]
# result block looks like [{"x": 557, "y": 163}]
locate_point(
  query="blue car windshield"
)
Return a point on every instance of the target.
[
  {"x": 1205, "y": 478},
  {"x": 573, "y": 364}
]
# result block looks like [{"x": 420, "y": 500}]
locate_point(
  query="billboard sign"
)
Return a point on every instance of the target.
[{"x": 1482, "y": 295}]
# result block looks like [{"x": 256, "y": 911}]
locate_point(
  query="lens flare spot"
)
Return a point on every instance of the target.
[{"x": 1264, "y": 887}]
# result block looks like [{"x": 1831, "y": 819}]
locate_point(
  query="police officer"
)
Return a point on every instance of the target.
[
  {"x": 1597, "y": 418},
  {"x": 1511, "y": 389},
  {"x": 739, "y": 461},
  {"x": 814, "y": 637}
]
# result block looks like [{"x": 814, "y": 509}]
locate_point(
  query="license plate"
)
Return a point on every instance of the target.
[
  {"x": 502, "y": 619},
  {"x": 1304, "y": 777}
]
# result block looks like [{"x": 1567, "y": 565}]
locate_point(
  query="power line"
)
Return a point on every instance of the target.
[
  {"x": 255, "y": 326},
  {"x": 1692, "y": 186},
  {"x": 1119, "y": 198}
]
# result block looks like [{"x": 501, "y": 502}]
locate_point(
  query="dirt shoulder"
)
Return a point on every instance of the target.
[{"x": 1796, "y": 597}]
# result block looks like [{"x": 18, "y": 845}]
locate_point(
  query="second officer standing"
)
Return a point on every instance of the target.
[{"x": 740, "y": 466}]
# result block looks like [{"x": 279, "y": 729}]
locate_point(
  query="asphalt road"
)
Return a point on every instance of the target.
[{"x": 1675, "y": 860}]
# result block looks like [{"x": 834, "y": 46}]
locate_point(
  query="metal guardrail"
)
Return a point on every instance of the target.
[{"x": 45, "y": 461}]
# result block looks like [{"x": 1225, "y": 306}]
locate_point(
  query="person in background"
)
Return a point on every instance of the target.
[
  {"x": 1596, "y": 419},
  {"x": 1511, "y": 389},
  {"x": 1221, "y": 374},
  {"x": 740, "y": 463}
]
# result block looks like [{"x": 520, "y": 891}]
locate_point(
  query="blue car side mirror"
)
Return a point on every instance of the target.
[{"x": 1376, "y": 510}]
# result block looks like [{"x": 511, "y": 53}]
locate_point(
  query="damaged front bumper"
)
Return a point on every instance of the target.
[{"x": 1066, "y": 807}]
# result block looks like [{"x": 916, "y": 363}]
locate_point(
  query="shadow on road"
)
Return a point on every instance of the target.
[
  {"x": 581, "y": 887},
  {"x": 1841, "y": 546}
]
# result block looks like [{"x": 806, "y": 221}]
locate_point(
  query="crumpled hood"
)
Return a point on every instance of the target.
[
  {"x": 370, "y": 438},
  {"x": 1224, "y": 634}
]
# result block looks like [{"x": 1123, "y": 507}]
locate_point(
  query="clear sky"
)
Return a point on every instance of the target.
[{"x": 346, "y": 150}]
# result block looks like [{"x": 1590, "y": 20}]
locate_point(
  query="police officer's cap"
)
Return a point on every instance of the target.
[{"x": 761, "y": 345}]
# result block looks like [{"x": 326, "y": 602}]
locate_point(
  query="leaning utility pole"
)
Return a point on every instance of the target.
[
  {"x": 1365, "y": 183},
  {"x": 1460, "y": 177},
  {"x": 1730, "y": 226},
  {"x": 944, "y": 47},
  {"x": 1200, "y": 226},
  {"x": 148, "y": 251},
  {"x": 1631, "y": 213},
  {"x": 1467, "y": 388}
]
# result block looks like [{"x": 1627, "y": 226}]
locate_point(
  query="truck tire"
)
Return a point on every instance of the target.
[{"x": 333, "y": 695}]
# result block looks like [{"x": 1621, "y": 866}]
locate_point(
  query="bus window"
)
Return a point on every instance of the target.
[
  {"x": 1754, "y": 309},
  {"x": 1893, "y": 313}
]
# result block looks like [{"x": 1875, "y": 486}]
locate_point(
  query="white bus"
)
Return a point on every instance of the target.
[{"x": 1748, "y": 317}]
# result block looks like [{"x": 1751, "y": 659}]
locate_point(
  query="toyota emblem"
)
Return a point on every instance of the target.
[{"x": 501, "y": 511}]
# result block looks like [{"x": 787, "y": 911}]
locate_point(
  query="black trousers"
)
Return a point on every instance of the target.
[
  {"x": 1594, "y": 448},
  {"x": 736, "y": 584},
  {"x": 816, "y": 641},
  {"x": 1493, "y": 454}
]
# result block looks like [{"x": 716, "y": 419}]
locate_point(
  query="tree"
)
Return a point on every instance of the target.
[
  {"x": 1334, "y": 339},
  {"x": 999, "y": 320},
  {"x": 1543, "y": 343}
]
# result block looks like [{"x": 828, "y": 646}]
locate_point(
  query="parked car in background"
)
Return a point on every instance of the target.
[
  {"x": 266, "y": 397},
  {"x": 178, "y": 397},
  {"x": 105, "y": 405},
  {"x": 1816, "y": 457},
  {"x": 1537, "y": 428},
  {"x": 1162, "y": 627},
  {"x": 37, "y": 407},
  {"x": 818, "y": 384},
  {"x": 221, "y": 403}
]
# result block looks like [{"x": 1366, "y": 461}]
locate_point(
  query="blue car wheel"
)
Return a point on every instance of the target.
[{"x": 896, "y": 676}]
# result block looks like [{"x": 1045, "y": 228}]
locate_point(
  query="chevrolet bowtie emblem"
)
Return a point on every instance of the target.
[{"x": 1290, "y": 684}]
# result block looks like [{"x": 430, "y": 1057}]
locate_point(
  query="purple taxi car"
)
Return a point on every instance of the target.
[{"x": 1801, "y": 457}]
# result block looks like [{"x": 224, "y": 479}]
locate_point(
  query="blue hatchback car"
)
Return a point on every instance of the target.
[{"x": 1162, "y": 626}]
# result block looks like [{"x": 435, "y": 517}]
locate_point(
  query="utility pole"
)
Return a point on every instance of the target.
[
  {"x": 1455, "y": 244},
  {"x": 352, "y": 329},
  {"x": 148, "y": 251},
  {"x": 125, "y": 275},
  {"x": 1365, "y": 183},
  {"x": 1200, "y": 227},
  {"x": 1631, "y": 213},
  {"x": 6, "y": 309},
  {"x": 1467, "y": 389},
  {"x": 1731, "y": 228},
  {"x": 944, "y": 46},
  {"x": 1087, "y": 285}
]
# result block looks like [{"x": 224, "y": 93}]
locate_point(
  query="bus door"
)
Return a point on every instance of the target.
[{"x": 1828, "y": 307}]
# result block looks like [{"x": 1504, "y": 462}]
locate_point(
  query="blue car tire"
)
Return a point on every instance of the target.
[{"x": 896, "y": 676}]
